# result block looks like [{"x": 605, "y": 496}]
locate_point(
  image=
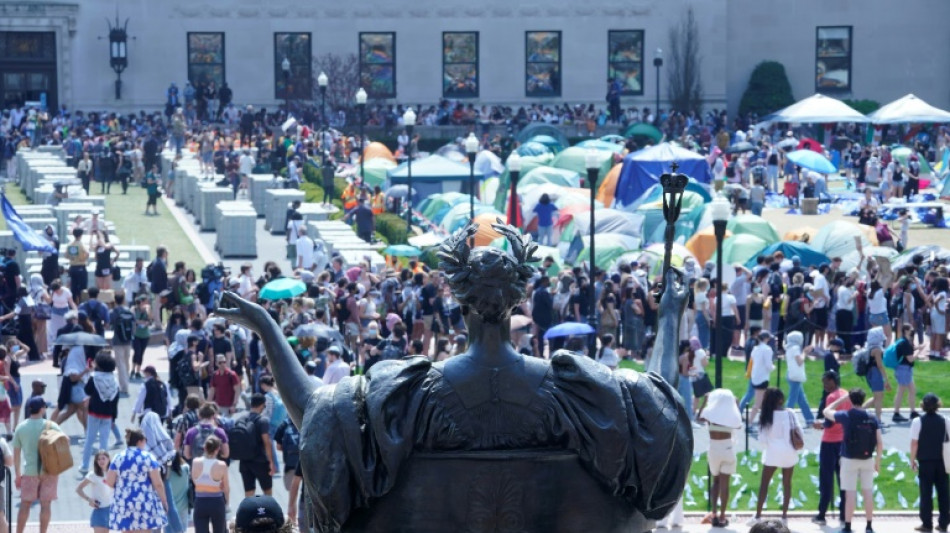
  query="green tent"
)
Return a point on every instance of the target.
[
  {"x": 575, "y": 158},
  {"x": 542, "y": 175},
  {"x": 375, "y": 170},
  {"x": 654, "y": 225},
  {"x": 643, "y": 129},
  {"x": 903, "y": 153},
  {"x": 609, "y": 247},
  {"x": 749, "y": 224},
  {"x": 836, "y": 239},
  {"x": 458, "y": 215},
  {"x": 435, "y": 207},
  {"x": 528, "y": 162},
  {"x": 541, "y": 253},
  {"x": 737, "y": 249}
]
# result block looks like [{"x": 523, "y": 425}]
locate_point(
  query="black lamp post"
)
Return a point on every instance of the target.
[
  {"x": 719, "y": 209},
  {"x": 674, "y": 185},
  {"x": 657, "y": 62},
  {"x": 322, "y": 82},
  {"x": 471, "y": 148},
  {"x": 514, "y": 170},
  {"x": 285, "y": 67},
  {"x": 593, "y": 166},
  {"x": 409, "y": 120},
  {"x": 361, "y": 107},
  {"x": 118, "y": 58}
]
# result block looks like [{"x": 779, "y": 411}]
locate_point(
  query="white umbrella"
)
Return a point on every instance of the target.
[
  {"x": 908, "y": 109},
  {"x": 817, "y": 109}
]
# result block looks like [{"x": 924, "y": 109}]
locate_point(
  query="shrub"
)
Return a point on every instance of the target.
[
  {"x": 768, "y": 90},
  {"x": 864, "y": 106},
  {"x": 391, "y": 228}
]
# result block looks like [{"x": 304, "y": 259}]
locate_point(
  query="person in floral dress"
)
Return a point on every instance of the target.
[{"x": 137, "y": 506}]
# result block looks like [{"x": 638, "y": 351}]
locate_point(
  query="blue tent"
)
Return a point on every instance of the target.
[
  {"x": 643, "y": 168},
  {"x": 808, "y": 255},
  {"x": 434, "y": 174}
]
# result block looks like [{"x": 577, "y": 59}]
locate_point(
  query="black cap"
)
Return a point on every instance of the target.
[
  {"x": 259, "y": 507},
  {"x": 35, "y": 405}
]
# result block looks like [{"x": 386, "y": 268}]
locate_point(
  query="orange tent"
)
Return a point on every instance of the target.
[
  {"x": 377, "y": 149},
  {"x": 703, "y": 244},
  {"x": 803, "y": 234},
  {"x": 609, "y": 186},
  {"x": 486, "y": 234}
]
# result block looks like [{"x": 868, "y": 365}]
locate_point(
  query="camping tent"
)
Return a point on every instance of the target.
[
  {"x": 739, "y": 248},
  {"x": 575, "y": 158},
  {"x": 605, "y": 193},
  {"x": 537, "y": 128},
  {"x": 908, "y": 109},
  {"x": 504, "y": 180},
  {"x": 486, "y": 233},
  {"x": 597, "y": 144},
  {"x": 753, "y": 225},
  {"x": 703, "y": 244},
  {"x": 542, "y": 175},
  {"x": 458, "y": 216},
  {"x": 532, "y": 148},
  {"x": 817, "y": 108},
  {"x": 643, "y": 168},
  {"x": 837, "y": 238},
  {"x": 608, "y": 221},
  {"x": 808, "y": 255},
  {"x": 609, "y": 247},
  {"x": 375, "y": 170},
  {"x": 434, "y": 174},
  {"x": 435, "y": 206},
  {"x": 655, "y": 194},
  {"x": 643, "y": 129},
  {"x": 377, "y": 149}
]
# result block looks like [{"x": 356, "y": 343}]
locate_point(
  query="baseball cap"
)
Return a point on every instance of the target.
[
  {"x": 335, "y": 349},
  {"x": 259, "y": 509},
  {"x": 35, "y": 405}
]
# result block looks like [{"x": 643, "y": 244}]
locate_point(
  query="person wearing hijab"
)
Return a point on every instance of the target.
[{"x": 103, "y": 392}]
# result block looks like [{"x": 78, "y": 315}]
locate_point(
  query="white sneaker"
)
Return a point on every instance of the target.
[{"x": 753, "y": 521}]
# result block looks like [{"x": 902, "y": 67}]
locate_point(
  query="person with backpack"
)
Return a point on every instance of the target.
[
  {"x": 274, "y": 410},
  {"x": 903, "y": 364},
  {"x": 251, "y": 445},
  {"x": 185, "y": 421},
  {"x": 927, "y": 436},
  {"x": 876, "y": 376},
  {"x": 287, "y": 438},
  {"x": 194, "y": 441},
  {"x": 141, "y": 336},
  {"x": 154, "y": 396},
  {"x": 97, "y": 311},
  {"x": 30, "y": 479},
  {"x": 122, "y": 323},
  {"x": 829, "y": 454},
  {"x": 861, "y": 453},
  {"x": 103, "y": 392}
]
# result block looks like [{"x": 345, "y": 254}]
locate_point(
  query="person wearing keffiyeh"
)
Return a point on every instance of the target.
[{"x": 103, "y": 392}]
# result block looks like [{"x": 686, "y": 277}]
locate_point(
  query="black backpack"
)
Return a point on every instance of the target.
[
  {"x": 342, "y": 311},
  {"x": 124, "y": 325},
  {"x": 156, "y": 397},
  {"x": 244, "y": 439},
  {"x": 391, "y": 351},
  {"x": 862, "y": 435}
]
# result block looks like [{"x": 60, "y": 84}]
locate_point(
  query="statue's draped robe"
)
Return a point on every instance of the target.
[{"x": 628, "y": 429}]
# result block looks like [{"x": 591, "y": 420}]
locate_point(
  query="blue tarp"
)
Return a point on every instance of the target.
[{"x": 643, "y": 168}]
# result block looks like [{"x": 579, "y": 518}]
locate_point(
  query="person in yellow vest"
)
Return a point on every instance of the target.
[
  {"x": 350, "y": 194},
  {"x": 379, "y": 201}
]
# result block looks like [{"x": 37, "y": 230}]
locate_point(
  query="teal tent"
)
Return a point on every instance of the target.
[
  {"x": 542, "y": 175},
  {"x": 434, "y": 174},
  {"x": 808, "y": 255},
  {"x": 504, "y": 180},
  {"x": 532, "y": 148},
  {"x": 596, "y": 144},
  {"x": 575, "y": 158},
  {"x": 738, "y": 249},
  {"x": 538, "y": 128},
  {"x": 753, "y": 225}
]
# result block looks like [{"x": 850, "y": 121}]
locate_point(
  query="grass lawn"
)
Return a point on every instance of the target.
[
  {"x": 127, "y": 212},
  {"x": 895, "y": 487}
]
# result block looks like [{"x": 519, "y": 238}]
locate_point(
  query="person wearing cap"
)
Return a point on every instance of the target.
[
  {"x": 31, "y": 482},
  {"x": 311, "y": 369},
  {"x": 259, "y": 514},
  {"x": 927, "y": 435},
  {"x": 337, "y": 368}
]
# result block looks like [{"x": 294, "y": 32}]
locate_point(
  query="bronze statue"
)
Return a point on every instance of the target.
[{"x": 487, "y": 441}]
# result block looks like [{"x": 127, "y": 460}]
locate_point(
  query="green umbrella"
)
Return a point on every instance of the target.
[
  {"x": 402, "y": 250},
  {"x": 642, "y": 129},
  {"x": 282, "y": 288}
]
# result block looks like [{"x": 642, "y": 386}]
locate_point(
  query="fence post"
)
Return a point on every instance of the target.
[{"x": 747, "y": 424}]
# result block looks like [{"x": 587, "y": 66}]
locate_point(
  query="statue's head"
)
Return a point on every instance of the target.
[{"x": 489, "y": 281}]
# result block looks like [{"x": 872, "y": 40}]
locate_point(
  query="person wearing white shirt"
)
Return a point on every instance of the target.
[
  {"x": 136, "y": 281},
  {"x": 877, "y": 308},
  {"x": 794, "y": 342},
  {"x": 247, "y": 289},
  {"x": 822, "y": 292},
  {"x": 246, "y": 167},
  {"x": 305, "y": 248},
  {"x": 844, "y": 314},
  {"x": 762, "y": 367},
  {"x": 337, "y": 369},
  {"x": 730, "y": 313}
]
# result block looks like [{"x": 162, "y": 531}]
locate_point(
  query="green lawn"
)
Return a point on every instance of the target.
[{"x": 133, "y": 227}]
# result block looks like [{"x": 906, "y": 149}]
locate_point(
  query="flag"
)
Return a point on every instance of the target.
[{"x": 29, "y": 239}]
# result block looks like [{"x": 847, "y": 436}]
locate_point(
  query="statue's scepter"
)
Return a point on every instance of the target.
[{"x": 674, "y": 185}]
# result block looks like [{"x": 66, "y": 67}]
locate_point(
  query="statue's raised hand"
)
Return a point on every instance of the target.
[{"x": 243, "y": 312}]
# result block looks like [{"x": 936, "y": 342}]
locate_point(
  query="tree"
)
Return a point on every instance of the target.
[
  {"x": 685, "y": 87},
  {"x": 344, "y": 76},
  {"x": 768, "y": 90}
]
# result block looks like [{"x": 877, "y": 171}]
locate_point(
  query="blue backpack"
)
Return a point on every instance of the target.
[{"x": 890, "y": 354}]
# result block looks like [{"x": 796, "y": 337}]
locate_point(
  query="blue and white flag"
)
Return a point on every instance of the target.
[{"x": 29, "y": 239}]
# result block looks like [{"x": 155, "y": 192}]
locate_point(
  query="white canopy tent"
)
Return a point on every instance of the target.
[
  {"x": 908, "y": 109},
  {"x": 817, "y": 109}
]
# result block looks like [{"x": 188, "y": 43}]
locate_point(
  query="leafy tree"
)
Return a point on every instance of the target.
[
  {"x": 768, "y": 90},
  {"x": 864, "y": 106}
]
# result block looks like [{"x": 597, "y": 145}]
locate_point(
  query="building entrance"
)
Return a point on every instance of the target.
[{"x": 28, "y": 68}]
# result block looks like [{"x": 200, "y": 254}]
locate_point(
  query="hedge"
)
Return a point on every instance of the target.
[{"x": 768, "y": 90}]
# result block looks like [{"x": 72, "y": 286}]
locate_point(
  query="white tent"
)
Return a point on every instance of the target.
[
  {"x": 817, "y": 109},
  {"x": 908, "y": 109}
]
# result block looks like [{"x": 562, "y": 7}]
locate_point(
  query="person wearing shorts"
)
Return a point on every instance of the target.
[
  {"x": 261, "y": 469},
  {"x": 905, "y": 375},
  {"x": 32, "y": 483},
  {"x": 721, "y": 414},
  {"x": 859, "y": 459}
]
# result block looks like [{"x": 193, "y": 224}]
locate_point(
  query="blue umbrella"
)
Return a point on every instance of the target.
[
  {"x": 402, "y": 250},
  {"x": 812, "y": 161},
  {"x": 282, "y": 288},
  {"x": 566, "y": 329}
]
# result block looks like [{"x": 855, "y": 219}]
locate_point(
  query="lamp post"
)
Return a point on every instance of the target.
[
  {"x": 118, "y": 58},
  {"x": 322, "y": 82},
  {"x": 592, "y": 162},
  {"x": 471, "y": 148},
  {"x": 657, "y": 62},
  {"x": 720, "y": 210},
  {"x": 409, "y": 120},
  {"x": 361, "y": 107},
  {"x": 514, "y": 170},
  {"x": 285, "y": 67}
]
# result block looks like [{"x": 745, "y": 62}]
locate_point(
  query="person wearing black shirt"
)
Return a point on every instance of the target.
[
  {"x": 11, "y": 275},
  {"x": 581, "y": 300},
  {"x": 220, "y": 344},
  {"x": 427, "y": 299},
  {"x": 927, "y": 435},
  {"x": 542, "y": 312}
]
